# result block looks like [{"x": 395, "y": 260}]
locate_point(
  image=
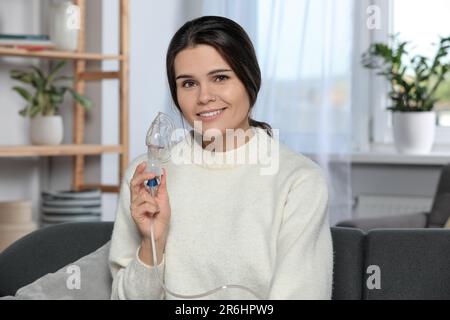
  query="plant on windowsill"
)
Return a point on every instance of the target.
[
  {"x": 43, "y": 102},
  {"x": 414, "y": 82}
]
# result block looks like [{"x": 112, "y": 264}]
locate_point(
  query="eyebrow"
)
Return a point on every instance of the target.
[{"x": 181, "y": 76}]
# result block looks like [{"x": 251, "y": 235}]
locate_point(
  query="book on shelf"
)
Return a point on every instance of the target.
[
  {"x": 26, "y": 41},
  {"x": 7, "y": 36}
]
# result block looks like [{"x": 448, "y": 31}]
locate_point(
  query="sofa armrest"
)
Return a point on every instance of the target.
[{"x": 409, "y": 221}]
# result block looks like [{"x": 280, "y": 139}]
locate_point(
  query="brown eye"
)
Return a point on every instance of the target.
[
  {"x": 221, "y": 78},
  {"x": 188, "y": 83}
]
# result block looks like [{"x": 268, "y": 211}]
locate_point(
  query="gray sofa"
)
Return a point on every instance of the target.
[{"x": 412, "y": 263}]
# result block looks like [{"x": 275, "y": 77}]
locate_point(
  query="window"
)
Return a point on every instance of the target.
[
  {"x": 422, "y": 22},
  {"x": 304, "y": 50}
]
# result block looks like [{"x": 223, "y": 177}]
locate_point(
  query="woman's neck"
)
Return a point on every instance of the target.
[{"x": 229, "y": 140}]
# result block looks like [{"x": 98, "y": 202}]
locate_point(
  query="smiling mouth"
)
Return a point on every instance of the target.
[{"x": 210, "y": 114}]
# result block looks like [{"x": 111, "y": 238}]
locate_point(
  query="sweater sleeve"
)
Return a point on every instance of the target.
[
  {"x": 304, "y": 258},
  {"x": 132, "y": 279}
]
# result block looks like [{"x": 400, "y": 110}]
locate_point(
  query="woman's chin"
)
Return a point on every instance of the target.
[{"x": 209, "y": 128}]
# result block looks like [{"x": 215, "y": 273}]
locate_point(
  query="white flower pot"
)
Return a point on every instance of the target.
[
  {"x": 46, "y": 130},
  {"x": 64, "y": 25},
  {"x": 414, "y": 132}
]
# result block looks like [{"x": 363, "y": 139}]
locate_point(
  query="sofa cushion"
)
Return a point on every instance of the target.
[
  {"x": 348, "y": 263},
  {"x": 88, "y": 278},
  {"x": 412, "y": 264}
]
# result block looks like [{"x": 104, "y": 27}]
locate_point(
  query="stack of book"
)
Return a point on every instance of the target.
[
  {"x": 26, "y": 41},
  {"x": 70, "y": 206}
]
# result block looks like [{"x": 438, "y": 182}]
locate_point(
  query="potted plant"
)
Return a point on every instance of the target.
[
  {"x": 413, "y": 85},
  {"x": 44, "y": 101}
]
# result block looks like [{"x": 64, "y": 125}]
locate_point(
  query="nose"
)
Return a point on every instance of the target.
[{"x": 205, "y": 94}]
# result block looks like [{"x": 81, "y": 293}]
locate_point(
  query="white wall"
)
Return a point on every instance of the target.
[{"x": 153, "y": 24}]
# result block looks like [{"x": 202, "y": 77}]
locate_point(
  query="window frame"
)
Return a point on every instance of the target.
[{"x": 375, "y": 87}]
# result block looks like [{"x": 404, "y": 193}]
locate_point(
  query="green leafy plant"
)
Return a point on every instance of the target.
[
  {"x": 415, "y": 80},
  {"x": 47, "y": 95}
]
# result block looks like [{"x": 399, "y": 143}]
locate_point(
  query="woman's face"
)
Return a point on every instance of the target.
[{"x": 208, "y": 90}]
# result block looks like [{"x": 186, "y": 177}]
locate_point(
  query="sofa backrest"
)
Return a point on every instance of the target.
[
  {"x": 412, "y": 264},
  {"x": 348, "y": 263}
]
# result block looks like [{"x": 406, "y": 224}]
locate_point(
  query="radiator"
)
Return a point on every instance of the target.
[{"x": 380, "y": 205}]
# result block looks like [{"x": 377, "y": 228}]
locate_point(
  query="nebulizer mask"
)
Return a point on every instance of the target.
[{"x": 159, "y": 143}]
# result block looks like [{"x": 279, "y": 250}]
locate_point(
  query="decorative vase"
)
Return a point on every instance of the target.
[
  {"x": 46, "y": 130},
  {"x": 414, "y": 132},
  {"x": 71, "y": 206},
  {"x": 64, "y": 25}
]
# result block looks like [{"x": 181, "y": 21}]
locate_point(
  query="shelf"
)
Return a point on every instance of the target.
[
  {"x": 52, "y": 54},
  {"x": 60, "y": 150},
  {"x": 370, "y": 158},
  {"x": 82, "y": 76},
  {"x": 385, "y": 154}
]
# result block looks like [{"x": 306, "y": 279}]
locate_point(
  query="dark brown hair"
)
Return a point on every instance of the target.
[{"x": 233, "y": 44}]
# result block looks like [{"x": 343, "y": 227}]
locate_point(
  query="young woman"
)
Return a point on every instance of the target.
[{"x": 222, "y": 222}]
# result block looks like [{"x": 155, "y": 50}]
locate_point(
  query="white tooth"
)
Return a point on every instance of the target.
[{"x": 210, "y": 114}]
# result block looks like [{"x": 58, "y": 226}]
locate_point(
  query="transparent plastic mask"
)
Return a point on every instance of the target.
[{"x": 159, "y": 143}]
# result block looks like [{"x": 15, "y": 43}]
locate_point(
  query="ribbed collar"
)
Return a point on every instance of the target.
[{"x": 190, "y": 151}]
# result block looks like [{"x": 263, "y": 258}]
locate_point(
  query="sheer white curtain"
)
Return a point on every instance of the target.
[{"x": 304, "y": 50}]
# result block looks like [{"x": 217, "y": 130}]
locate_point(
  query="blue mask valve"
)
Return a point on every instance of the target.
[{"x": 152, "y": 183}]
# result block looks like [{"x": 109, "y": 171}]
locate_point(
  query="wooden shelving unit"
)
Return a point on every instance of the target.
[
  {"x": 78, "y": 149},
  {"x": 62, "y": 150},
  {"x": 50, "y": 54}
]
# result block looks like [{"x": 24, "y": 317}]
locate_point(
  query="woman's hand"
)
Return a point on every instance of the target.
[{"x": 144, "y": 207}]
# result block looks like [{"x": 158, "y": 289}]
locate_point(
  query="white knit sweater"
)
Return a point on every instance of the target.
[{"x": 232, "y": 224}]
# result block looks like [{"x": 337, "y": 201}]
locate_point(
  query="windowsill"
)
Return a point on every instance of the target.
[{"x": 386, "y": 154}]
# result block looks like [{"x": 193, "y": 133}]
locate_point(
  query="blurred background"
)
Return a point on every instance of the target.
[{"x": 316, "y": 90}]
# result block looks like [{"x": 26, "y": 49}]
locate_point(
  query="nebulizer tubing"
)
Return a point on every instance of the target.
[{"x": 159, "y": 142}]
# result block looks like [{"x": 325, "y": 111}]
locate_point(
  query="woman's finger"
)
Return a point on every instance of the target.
[
  {"x": 147, "y": 208},
  {"x": 137, "y": 182},
  {"x": 163, "y": 185},
  {"x": 139, "y": 169},
  {"x": 140, "y": 211},
  {"x": 143, "y": 196}
]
